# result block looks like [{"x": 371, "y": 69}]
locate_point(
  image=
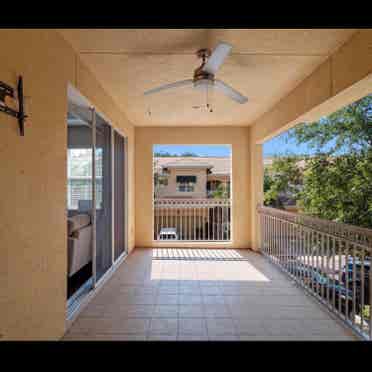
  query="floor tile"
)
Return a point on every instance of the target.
[
  {"x": 220, "y": 326},
  {"x": 161, "y": 337},
  {"x": 193, "y": 326},
  {"x": 190, "y": 337},
  {"x": 200, "y": 300},
  {"x": 191, "y": 311},
  {"x": 165, "y": 311},
  {"x": 216, "y": 311},
  {"x": 167, "y": 299},
  {"x": 167, "y": 326},
  {"x": 186, "y": 299}
]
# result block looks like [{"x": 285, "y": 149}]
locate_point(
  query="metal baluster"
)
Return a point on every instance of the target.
[
  {"x": 289, "y": 247},
  {"x": 203, "y": 222},
  {"x": 362, "y": 294},
  {"x": 267, "y": 231},
  {"x": 300, "y": 257},
  {"x": 317, "y": 252},
  {"x": 293, "y": 243},
  {"x": 182, "y": 221},
  {"x": 327, "y": 268},
  {"x": 334, "y": 273},
  {"x": 213, "y": 218},
  {"x": 284, "y": 244},
  {"x": 354, "y": 287},
  {"x": 312, "y": 261},
  {"x": 270, "y": 235},
  {"x": 347, "y": 280},
  {"x": 275, "y": 241},
  {"x": 281, "y": 242},
  {"x": 322, "y": 263},
  {"x": 287, "y": 225},
  {"x": 339, "y": 274},
  {"x": 194, "y": 220},
  {"x": 370, "y": 299},
  {"x": 279, "y": 239}
]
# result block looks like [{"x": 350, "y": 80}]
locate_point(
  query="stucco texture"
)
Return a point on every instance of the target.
[{"x": 33, "y": 244}]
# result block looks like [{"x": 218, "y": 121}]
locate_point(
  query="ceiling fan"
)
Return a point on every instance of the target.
[{"x": 204, "y": 75}]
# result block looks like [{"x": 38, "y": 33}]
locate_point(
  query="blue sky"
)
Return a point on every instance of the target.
[
  {"x": 201, "y": 150},
  {"x": 279, "y": 145},
  {"x": 276, "y": 146}
]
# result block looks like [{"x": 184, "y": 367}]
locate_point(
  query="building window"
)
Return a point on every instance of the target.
[{"x": 186, "y": 183}]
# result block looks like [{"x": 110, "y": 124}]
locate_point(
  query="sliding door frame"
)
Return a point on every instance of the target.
[
  {"x": 125, "y": 189},
  {"x": 93, "y": 125},
  {"x": 114, "y": 262}
]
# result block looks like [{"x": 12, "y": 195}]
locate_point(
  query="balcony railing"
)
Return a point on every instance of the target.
[
  {"x": 329, "y": 260},
  {"x": 207, "y": 220}
]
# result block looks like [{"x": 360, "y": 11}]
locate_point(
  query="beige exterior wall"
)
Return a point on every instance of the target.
[
  {"x": 343, "y": 78},
  {"x": 146, "y": 137},
  {"x": 200, "y": 188},
  {"x": 33, "y": 244}
]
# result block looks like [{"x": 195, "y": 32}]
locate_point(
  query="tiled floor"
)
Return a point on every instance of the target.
[{"x": 213, "y": 295}]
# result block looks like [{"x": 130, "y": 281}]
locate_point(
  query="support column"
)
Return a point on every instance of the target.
[{"x": 257, "y": 173}]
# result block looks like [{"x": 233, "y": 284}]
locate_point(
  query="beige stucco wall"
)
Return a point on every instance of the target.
[
  {"x": 33, "y": 248},
  {"x": 146, "y": 137},
  {"x": 343, "y": 78}
]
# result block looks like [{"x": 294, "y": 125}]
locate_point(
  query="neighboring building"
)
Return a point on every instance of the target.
[{"x": 190, "y": 177}]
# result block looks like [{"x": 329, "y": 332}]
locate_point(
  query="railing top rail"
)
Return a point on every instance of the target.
[
  {"x": 194, "y": 202},
  {"x": 356, "y": 234}
]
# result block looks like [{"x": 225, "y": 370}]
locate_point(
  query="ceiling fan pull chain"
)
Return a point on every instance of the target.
[{"x": 209, "y": 107}]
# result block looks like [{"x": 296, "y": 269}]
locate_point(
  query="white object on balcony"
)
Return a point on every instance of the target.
[{"x": 168, "y": 233}]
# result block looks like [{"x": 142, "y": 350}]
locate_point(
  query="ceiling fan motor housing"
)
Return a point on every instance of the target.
[{"x": 203, "y": 79}]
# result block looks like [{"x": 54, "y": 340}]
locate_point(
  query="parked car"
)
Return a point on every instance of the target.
[
  {"x": 347, "y": 274},
  {"x": 342, "y": 294},
  {"x": 168, "y": 233},
  {"x": 318, "y": 278},
  {"x": 358, "y": 266}
]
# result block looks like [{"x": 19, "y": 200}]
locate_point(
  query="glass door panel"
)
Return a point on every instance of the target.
[
  {"x": 79, "y": 199},
  {"x": 119, "y": 195},
  {"x": 103, "y": 196}
]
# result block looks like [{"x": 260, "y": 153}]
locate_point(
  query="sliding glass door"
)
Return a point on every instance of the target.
[
  {"x": 96, "y": 195},
  {"x": 119, "y": 195},
  {"x": 103, "y": 197}
]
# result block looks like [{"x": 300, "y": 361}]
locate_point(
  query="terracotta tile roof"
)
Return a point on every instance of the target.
[{"x": 217, "y": 165}]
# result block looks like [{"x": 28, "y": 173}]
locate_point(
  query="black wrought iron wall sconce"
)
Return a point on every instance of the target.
[{"x": 7, "y": 94}]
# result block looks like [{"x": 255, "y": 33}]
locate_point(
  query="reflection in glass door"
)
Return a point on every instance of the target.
[
  {"x": 103, "y": 197},
  {"x": 79, "y": 200}
]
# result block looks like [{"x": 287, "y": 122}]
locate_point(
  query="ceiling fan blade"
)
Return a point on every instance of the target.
[
  {"x": 169, "y": 86},
  {"x": 217, "y": 57},
  {"x": 230, "y": 92}
]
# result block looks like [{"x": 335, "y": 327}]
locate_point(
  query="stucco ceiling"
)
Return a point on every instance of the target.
[{"x": 264, "y": 65}]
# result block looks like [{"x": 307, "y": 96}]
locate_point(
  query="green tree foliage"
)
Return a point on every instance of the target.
[
  {"x": 337, "y": 179},
  {"x": 282, "y": 179},
  {"x": 347, "y": 130},
  {"x": 222, "y": 191},
  {"x": 339, "y": 188}
]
